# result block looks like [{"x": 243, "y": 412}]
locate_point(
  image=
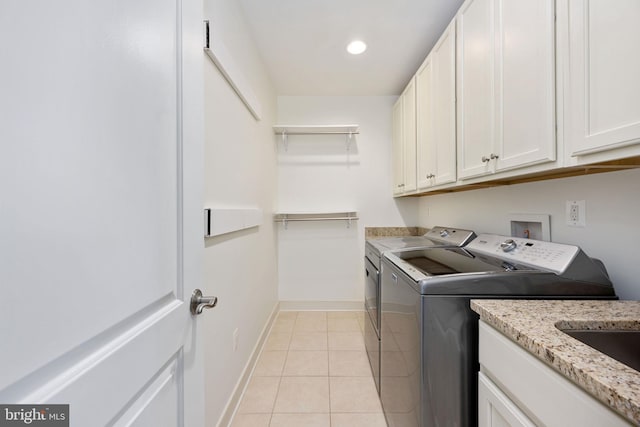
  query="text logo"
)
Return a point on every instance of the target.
[{"x": 34, "y": 415}]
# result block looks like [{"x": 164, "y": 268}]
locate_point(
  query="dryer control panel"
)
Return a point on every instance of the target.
[{"x": 536, "y": 254}]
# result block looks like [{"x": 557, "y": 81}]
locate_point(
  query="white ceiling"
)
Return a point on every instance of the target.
[{"x": 303, "y": 42}]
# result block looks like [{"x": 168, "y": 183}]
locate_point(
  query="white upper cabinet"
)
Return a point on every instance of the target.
[
  {"x": 409, "y": 135},
  {"x": 404, "y": 141},
  {"x": 603, "y": 85},
  {"x": 444, "y": 89},
  {"x": 526, "y": 79},
  {"x": 426, "y": 142},
  {"x": 396, "y": 146},
  {"x": 475, "y": 87},
  {"x": 516, "y": 87},
  {"x": 505, "y": 85},
  {"x": 436, "y": 114}
]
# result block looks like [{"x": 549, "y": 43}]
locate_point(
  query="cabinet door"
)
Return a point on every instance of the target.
[
  {"x": 525, "y": 82},
  {"x": 475, "y": 83},
  {"x": 396, "y": 147},
  {"x": 495, "y": 409},
  {"x": 426, "y": 142},
  {"x": 604, "y": 65},
  {"x": 409, "y": 135},
  {"x": 436, "y": 113},
  {"x": 444, "y": 102}
]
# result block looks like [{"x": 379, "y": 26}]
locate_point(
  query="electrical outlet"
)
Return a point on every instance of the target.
[
  {"x": 235, "y": 340},
  {"x": 576, "y": 213}
]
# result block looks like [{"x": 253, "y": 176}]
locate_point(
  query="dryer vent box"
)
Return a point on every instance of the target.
[{"x": 532, "y": 226}]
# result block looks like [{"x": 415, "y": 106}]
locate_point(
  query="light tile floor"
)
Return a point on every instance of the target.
[{"x": 313, "y": 372}]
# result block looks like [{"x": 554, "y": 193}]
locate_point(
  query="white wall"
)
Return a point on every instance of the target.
[
  {"x": 612, "y": 229},
  {"x": 322, "y": 261},
  {"x": 240, "y": 171}
]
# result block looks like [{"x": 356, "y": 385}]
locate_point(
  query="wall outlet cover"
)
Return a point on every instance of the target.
[{"x": 576, "y": 213}]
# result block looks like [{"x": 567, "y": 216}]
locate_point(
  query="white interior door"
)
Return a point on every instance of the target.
[{"x": 100, "y": 218}]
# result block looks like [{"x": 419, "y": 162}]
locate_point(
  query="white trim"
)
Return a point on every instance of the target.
[
  {"x": 236, "y": 396},
  {"x": 234, "y": 75},
  {"x": 192, "y": 181},
  {"x": 220, "y": 221}
]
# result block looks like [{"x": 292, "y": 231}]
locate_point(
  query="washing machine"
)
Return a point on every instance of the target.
[
  {"x": 429, "y": 334},
  {"x": 374, "y": 249}
]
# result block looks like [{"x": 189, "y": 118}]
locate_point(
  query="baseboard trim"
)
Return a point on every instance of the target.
[
  {"x": 322, "y": 305},
  {"x": 232, "y": 405}
]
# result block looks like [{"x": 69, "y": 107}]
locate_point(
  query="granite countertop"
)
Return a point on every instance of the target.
[
  {"x": 532, "y": 325},
  {"x": 385, "y": 232}
]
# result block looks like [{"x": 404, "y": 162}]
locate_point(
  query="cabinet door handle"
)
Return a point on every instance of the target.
[{"x": 492, "y": 156}]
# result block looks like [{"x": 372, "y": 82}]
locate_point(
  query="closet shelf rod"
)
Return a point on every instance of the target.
[
  {"x": 341, "y": 218},
  {"x": 318, "y": 133}
]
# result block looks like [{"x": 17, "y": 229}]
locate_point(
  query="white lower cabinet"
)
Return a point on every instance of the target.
[
  {"x": 517, "y": 389},
  {"x": 495, "y": 409}
]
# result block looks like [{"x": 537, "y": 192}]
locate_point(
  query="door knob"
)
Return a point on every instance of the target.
[{"x": 199, "y": 303}]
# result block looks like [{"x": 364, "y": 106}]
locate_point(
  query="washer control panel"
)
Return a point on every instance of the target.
[
  {"x": 528, "y": 252},
  {"x": 450, "y": 236}
]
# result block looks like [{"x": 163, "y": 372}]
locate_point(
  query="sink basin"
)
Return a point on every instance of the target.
[{"x": 621, "y": 345}]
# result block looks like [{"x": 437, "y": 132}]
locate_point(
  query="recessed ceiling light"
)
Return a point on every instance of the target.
[{"x": 356, "y": 47}]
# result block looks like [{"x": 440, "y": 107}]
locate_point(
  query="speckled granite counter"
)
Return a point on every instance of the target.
[
  {"x": 380, "y": 232},
  {"x": 532, "y": 325}
]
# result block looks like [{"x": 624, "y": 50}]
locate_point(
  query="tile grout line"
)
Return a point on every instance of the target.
[
  {"x": 328, "y": 376},
  {"x": 328, "y": 372},
  {"x": 273, "y": 407}
]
